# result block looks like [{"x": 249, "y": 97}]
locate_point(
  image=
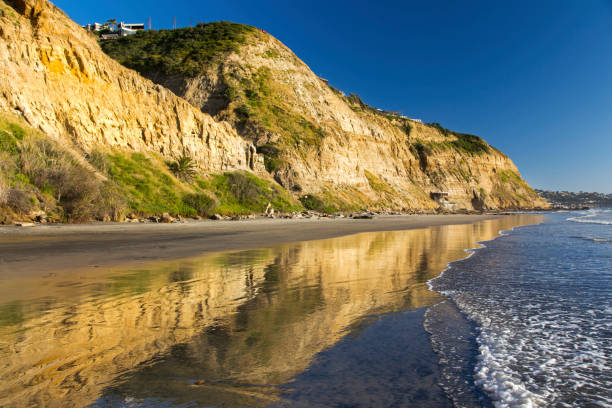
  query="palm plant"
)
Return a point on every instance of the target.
[{"x": 183, "y": 168}]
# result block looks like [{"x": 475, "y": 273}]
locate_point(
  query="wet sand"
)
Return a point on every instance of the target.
[
  {"x": 43, "y": 249},
  {"x": 314, "y": 323}
]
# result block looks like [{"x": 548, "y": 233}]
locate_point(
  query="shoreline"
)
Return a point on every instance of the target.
[{"x": 30, "y": 252}]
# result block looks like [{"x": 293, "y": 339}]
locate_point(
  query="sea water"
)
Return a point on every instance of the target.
[{"x": 538, "y": 308}]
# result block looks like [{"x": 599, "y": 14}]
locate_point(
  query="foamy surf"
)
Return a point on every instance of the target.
[
  {"x": 594, "y": 216},
  {"x": 539, "y": 301}
]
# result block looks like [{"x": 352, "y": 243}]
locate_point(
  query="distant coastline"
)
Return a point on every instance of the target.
[{"x": 571, "y": 201}]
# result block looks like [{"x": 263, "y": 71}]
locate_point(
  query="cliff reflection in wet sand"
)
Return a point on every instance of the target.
[{"x": 225, "y": 329}]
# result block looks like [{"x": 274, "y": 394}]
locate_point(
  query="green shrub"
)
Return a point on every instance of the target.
[
  {"x": 470, "y": 144},
  {"x": 465, "y": 142},
  {"x": 55, "y": 171},
  {"x": 242, "y": 112},
  {"x": 99, "y": 160},
  {"x": 314, "y": 203},
  {"x": 268, "y": 150},
  {"x": 271, "y": 154},
  {"x": 355, "y": 99},
  {"x": 440, "y": 128},
  {"x": 407, "y": 128},
  {"x": 203, "y": 204},
  {"x": 508, "y": 176},
  {"x": 244, "y": 188},
  {"x": 242, "y": 192},
  {"x": 377, "y": 184},
  {"x": 8, "y": 142},
  {"x": 17, "y": 131},
  {"x": 112, "y": 203},
  {"x": 421, "y": 152}
]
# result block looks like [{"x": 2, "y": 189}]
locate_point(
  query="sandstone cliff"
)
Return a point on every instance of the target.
[
  {"x": 317, "y": 140},
  {"x": 271, "y": 115}
]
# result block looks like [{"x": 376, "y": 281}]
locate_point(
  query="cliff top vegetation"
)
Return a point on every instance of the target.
[{"x": 181, "y": 51}]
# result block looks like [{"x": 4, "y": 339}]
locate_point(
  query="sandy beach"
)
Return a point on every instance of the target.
[
  {"x": 39, "y": 250},
  {"x": 300, "y": 313}
]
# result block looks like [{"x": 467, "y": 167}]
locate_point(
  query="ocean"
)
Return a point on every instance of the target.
[{"x": 537, "y": 309}]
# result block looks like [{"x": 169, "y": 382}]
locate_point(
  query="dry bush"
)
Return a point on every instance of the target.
[
  {"x": 7, "y": 169},
  {"x": 99, "y": 160},
  {"x": 3, "y": 190},
  {"x": 111, "y": 204},
  {"x": 20, "y": 200},
  {"x": 77, "y": 189}
]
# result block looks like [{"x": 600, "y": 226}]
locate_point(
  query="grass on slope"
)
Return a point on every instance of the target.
[
  {"x": 511, "y": 188},
  {"x": 151, "y": 188},
  {"x": 264, "y": 105}
]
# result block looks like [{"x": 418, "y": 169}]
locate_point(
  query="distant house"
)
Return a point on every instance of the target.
[
  {"x": 97, "y": 27},
  {"x": 129, "y": 29},
  {"x": 113, "y": 32}
]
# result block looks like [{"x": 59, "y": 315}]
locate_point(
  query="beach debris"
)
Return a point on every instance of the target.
[
  {"x": 216, "y": 217},
  {"x": 166, "y": 218},
  {"x": 362, "y": 216},
  {"x": 24, "y": 224},
  {"x": 269, "y": 212},
  {"x": 38, "y": 216}
]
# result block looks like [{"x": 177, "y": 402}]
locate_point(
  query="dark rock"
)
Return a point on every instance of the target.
[{"x": 363, "y": 216}]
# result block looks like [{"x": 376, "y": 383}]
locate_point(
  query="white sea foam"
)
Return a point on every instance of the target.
[
  {"x": 589, "y": 221},
  {"x": 541, "y": 333},
  {"x": 594, "y": 216},
  {"x": 593, "y": 239},
  {"x": 547, "y": 349}
]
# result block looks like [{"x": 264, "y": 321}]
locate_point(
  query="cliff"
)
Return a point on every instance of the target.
[
  {"x": 314, "y": 138},
  {"x": 238, "y": 100}
]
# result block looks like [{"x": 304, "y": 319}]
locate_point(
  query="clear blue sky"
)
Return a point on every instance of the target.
[{"x": 534, "y": 78}]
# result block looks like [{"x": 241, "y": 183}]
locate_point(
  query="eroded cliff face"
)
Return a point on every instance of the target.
[
  {"x": 317, "y": 140},
  {"x": 311, "y": 138},
  {"x": 54, "y": 74}
]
